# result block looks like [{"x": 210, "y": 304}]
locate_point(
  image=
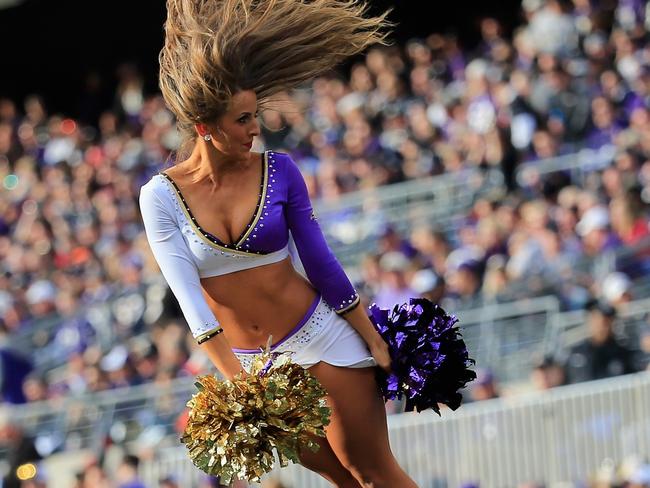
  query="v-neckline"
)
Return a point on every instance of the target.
[{"x": 251, "y": 223}]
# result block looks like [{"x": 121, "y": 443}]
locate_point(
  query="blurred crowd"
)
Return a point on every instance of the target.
[
  {"x": 83, "y": 307},
  {"x": 79, "y": 287},
  {"x": 631, "y": 472}
]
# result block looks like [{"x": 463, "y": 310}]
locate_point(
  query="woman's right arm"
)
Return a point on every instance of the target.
[
  {"x": 219, "y": 352},
  {"x": 182, "y": 276}
]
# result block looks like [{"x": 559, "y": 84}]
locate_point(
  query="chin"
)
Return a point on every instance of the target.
[{"x": 239, "y": 152}]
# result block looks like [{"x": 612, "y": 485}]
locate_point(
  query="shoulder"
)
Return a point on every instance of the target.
[
  {"x": 280, "y": 157},
  {"x": 154, "y": 186},
  {"x": 155, "y": 193},
  {"x": 290, "y": 172},
  {"x": 285, "y": 163},
  {"x": 277, "y": 157}
]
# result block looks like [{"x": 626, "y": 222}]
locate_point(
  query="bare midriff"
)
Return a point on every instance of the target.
[{"x": 254, "y": 303}]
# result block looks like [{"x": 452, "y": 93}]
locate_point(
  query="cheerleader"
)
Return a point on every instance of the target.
[{"x": 233, "y": 231}]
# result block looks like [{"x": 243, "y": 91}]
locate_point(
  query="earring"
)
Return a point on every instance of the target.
[{"x": 207, "y": 137}]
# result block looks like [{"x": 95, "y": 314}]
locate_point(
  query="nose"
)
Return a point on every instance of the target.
[{"x": 255, "y": 128}]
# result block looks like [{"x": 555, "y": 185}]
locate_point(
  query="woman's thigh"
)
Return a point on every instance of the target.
[{"x": 358, "y": 431}]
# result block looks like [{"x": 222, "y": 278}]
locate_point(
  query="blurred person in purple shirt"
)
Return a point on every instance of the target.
[
  {"x": 14, "y": 369},
  {"x": 394, "y": 288},
  {"x": 605, "y": 125},
  {"x": 127, "y": 473},
  {"x": 464, "y": 286},
  {"x": 390, "y": 240}
]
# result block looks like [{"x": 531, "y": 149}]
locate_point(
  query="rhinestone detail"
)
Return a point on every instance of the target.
[
  {"x": 347, "y": 302},
  {"x": 312, "y": 328},
  {"x": 241, "y": 247}
]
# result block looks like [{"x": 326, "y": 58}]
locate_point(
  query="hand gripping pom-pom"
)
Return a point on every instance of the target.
[
  {"x": 234, "y": 425},
  {"x": 429, "y": 357}
]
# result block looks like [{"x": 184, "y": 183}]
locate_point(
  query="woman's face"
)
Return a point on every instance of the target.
[{"x": 233, "y": 133}]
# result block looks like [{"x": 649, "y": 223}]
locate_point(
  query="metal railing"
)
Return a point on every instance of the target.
[
  {"x": 354, "y": 222},
  {"x": 554, "y": 436},
  {"x": 514, "y": 331},
  {"x": 507, "y": 338},
  {"x": 36, "y": 339},
  {"x": 577, "y": 165},
  {"x": 568, "y": 328}
]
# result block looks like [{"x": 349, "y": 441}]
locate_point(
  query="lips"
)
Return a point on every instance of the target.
[{"x": 249, "y": 144}]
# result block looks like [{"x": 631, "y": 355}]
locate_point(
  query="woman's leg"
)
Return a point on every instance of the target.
[
  {"x": 358, "y": 431},
  {"x": 325, "y": 463}
]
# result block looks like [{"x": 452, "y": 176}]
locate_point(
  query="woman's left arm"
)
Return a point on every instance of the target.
[
  {"x": 322, "y": 268},
  {"x": 378, "y": 348}
]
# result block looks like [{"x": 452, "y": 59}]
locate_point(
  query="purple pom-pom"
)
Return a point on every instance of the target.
[{"x": 430, "y": 362}]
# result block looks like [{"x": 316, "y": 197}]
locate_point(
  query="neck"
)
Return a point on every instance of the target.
[{"x": 210, "y": 164}]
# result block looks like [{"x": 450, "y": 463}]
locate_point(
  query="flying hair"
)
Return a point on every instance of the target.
[{"x": 216, "y": 48}]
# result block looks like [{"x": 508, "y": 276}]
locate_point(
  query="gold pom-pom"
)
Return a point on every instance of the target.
[{"x": 234, "y": 425}]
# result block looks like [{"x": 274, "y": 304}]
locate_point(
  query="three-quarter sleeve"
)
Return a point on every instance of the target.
[
  {"x": 175, "y": 261},
  {"x": 321, "y": 266}
]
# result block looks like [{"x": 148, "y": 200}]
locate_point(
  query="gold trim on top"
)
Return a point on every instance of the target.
[
  {"x": 262, "y": 201},
  {"x": 209, "y": 334},
  {"x": 198, "y": 229}
]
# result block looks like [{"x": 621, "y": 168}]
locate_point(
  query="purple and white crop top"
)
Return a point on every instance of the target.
[{"x": 283, "y": 224}]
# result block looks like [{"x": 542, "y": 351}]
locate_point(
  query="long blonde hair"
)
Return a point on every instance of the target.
[{"x": 215, "y": 48}]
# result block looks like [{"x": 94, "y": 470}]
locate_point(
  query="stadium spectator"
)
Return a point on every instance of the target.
[
  {"x": 39, "y": 480},
  {"x": 547, "y": 373},
  {"x": 644, "y": 343},
  {"x": 463, "y": 286},
  {"x": 21, "y": 449},
  {"x": 127, "y": 473},
  {"x": 600, "y": 355},
  {"x": 484, "y": 387},
  {"x": 427, "y": 284},
  {"x": 93, "y": 476},
  {"x": 213, "y": 482},
  {"x": 628, "y": 219},
  {"x": 394, "y": 285},
  {"x": 616, "y": 290},
  {"x": 169, "y": 482}
]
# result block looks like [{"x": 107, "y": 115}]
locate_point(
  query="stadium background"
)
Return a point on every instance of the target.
[{"x": 500, "y": 166}]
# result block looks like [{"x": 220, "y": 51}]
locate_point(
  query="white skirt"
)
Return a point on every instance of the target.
[{"x": 322, "y": 335}]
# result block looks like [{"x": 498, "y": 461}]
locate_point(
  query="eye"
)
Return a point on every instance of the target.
[{"x": 244, "y": 119}]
